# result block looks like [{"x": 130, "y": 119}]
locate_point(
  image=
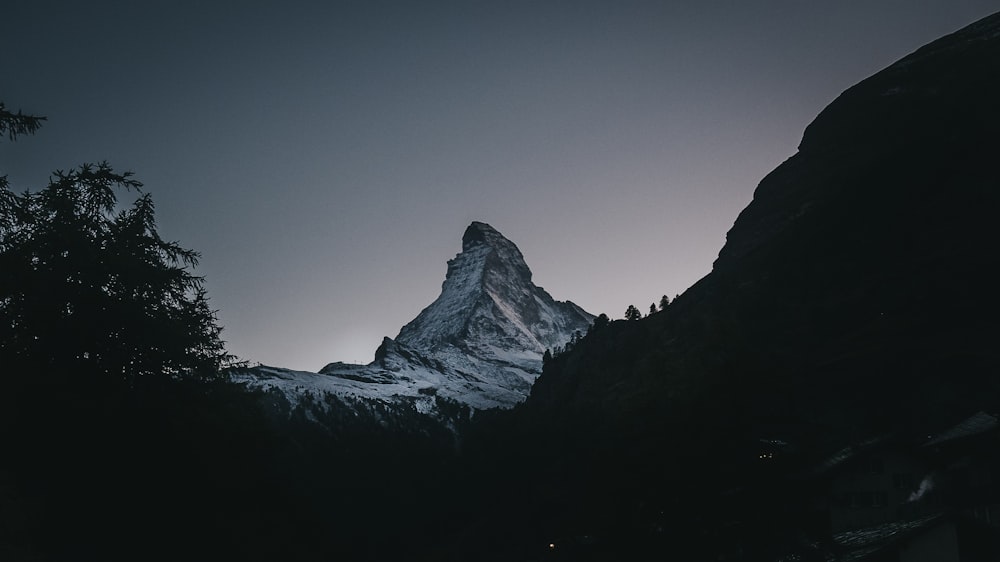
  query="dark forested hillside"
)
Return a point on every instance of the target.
[{"x": 855, "y": 297}]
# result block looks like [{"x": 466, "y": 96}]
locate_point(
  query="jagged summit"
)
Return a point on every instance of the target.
[
  {"x": 482, "y": 233},
  {"x": 481, "y": 237},
  {"x": 488, "y": 300},
  {"x": 480, "y": 342}
]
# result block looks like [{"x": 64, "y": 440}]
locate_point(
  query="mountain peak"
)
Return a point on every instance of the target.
[
  {"x": 488, "y": 298},
  {"x": 487, "y": 256},
  {"x": 479, "y": 233},
  {"x": 482, "y": 234},
  {"x": 479, "y": 343}
]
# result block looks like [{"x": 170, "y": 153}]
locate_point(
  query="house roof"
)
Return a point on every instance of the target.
[
  {"x": 980, "y": 422},
  {"x": 976, "y": 424},
  {"x": 849, "y": 452},
  {"x": 860, "y": 543}
]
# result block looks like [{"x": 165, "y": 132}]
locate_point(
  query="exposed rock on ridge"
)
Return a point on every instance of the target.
[{"x": 488, "y": 303}]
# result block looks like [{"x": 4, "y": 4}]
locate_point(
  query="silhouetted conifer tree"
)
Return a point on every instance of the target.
[
  {"x": 99, "y": 317},
  {"x": 14, "y": 124},
  {"x": 600, "y": 322},
  {"x": 87, "y": 288},
  {"x": 664, "y": 302},
  {"x": 632, "y": 313}
]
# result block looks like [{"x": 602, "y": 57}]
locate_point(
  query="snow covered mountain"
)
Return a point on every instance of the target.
[{"x": 480, "y": 343}]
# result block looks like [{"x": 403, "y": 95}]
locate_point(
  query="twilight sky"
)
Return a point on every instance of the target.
[{"x": 325, "y": 157}]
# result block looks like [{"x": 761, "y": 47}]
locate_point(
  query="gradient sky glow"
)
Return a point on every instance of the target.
[{"x": 325, "y": 157}]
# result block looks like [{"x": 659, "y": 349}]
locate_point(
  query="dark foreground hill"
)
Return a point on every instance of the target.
[
  {"x": 865, "y": 261},
  {"x": 855, "y": 298}
]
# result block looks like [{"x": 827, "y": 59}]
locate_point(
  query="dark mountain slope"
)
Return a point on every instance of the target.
[
  {"x": 864, "y": 265},
  {"x": 855, "y": 296}
]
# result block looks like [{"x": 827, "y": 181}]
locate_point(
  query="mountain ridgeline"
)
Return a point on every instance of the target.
[
  {"x": 865, "y": 261},
  {"x": 479, "y": 345}
]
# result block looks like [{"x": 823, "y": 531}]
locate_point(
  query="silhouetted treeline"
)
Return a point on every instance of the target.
[{"x": 123, "y": 438}]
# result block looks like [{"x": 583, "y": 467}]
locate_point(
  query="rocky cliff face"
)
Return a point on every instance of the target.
[{"x": 479, "y": 344}]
